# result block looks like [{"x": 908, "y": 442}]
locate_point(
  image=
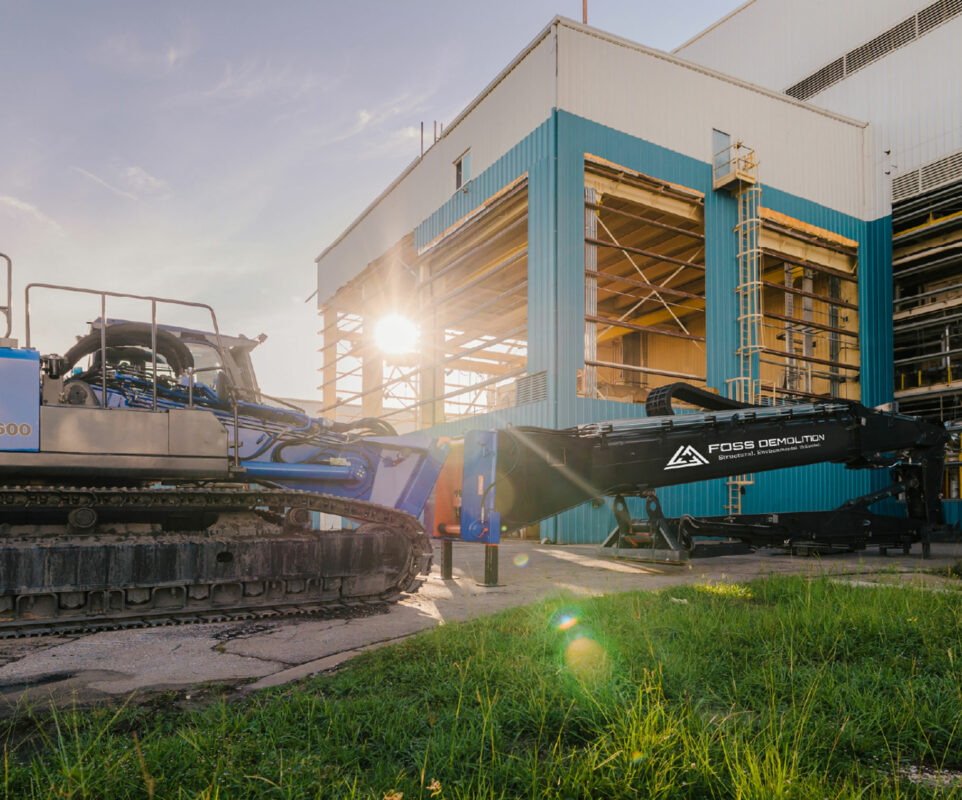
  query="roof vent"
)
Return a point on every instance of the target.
[
  {"x": 905, "y": 185},
  {"x": 945, "y": 170},
  {"x": 934, "y": 15},
  {"x": 927, "y": 177},
  {"x": 531, "y": 388},
  {"x": 908, "y": 30},
  {"x": 882, "y": 45},
  {"x": 817, "y": 81}
]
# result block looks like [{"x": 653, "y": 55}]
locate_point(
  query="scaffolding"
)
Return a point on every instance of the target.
[
  {"x": 644, "y": 283},
  {"x": 927, "y": 272}
]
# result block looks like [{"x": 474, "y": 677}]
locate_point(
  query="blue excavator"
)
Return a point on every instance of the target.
[{"x": 146, "y": 479}]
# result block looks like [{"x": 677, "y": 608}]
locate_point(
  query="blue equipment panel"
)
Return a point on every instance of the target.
[
  {"x": 19, "y": 400},
  {"x": 479, "y": 521}
]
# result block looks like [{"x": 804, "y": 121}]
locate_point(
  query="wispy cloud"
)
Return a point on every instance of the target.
[
  {"x": 175, "y": 54},
  {"x": 126, "y": 51},
  {"x": 363, "y": 118},
  {"x": 378, "y": 122},
  {"x": 18, "y": 206},
  {"x": 258, "y": 79},
  {"x": 137, "y": 181},
  {"x": 143, "y": 182},
  {"x": 104, "y": 183}
]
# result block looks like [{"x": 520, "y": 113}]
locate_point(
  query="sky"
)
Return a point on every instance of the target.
[{"x": 209, "y": 150}]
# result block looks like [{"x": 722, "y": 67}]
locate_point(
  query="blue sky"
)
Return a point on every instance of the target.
[{"x": 209, "y": 151}]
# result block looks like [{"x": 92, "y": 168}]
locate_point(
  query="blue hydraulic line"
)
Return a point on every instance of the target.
[{"x": 312, "y": 473}]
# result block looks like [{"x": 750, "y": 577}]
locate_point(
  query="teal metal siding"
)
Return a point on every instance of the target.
[
  {"x": 537, "y": 145},
  {"x": 818, "y": 486},
  {"x": 953, "y": 513},
  {"x": 553, "y": 157},
  {"x": 721, "y": 280},
  {"x": 534, "y": 155},
  {"x": 876, "y": 309}
]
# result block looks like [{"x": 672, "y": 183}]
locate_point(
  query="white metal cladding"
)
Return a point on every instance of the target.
[
  {"x": 675, "y": 104},
  {"x": 516, "y": 103},
  {"x": 913, "y": 99},
  {"x": 908, "y": 30},
  {"x": 777, "y": 43},
  {"x": 911, "y": 95}
]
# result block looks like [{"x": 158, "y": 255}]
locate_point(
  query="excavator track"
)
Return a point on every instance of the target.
[{"x": 85, "y": 559}]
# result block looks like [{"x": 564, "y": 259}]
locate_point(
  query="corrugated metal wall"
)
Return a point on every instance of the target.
[
  {"x": 815, "y": 487},
  {"x": 913, "y": 101},
  {"x": 776, "y": 43},
  {"x": 553, "y": 157},
  {"x": 909, "y": 95}
]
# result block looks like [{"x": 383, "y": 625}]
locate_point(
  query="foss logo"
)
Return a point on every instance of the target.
[
  {"x": 13, "y": 429},
  {"x": 686, "y": 456}
]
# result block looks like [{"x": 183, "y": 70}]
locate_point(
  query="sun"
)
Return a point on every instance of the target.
[{"x": 396, "y": 334}]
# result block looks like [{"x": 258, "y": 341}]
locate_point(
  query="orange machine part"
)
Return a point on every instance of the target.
[{"x": 443, "y": 512}]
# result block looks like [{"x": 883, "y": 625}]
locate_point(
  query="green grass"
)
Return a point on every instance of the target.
[
  {"x": 951, "y": 571},
  {"x": 784, "y": 688}
]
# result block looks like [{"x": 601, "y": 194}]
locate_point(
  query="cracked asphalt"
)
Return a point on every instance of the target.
[{"x": 248, "y": 656}]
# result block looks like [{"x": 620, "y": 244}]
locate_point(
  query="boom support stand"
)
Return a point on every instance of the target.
[
  {"x": 490, "y": 566},
  {"x": 447, "y": 560},
  {"x": 645, "y": 540},
  {"x": 849, "y": 527}
]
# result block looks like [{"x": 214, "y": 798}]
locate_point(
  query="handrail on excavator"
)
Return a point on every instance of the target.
[
  {"x": 154, "y": 301},
  {"x": 7, "y": 309}
]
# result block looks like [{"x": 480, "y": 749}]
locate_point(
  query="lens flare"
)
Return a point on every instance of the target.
[
  {"x": 521, "y": 560},
  {"x": 567, "y": 622},
  {"x": 586, "y": 658}
]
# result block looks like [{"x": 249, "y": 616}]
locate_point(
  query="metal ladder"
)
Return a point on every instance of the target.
[{"x": 742, "y": 166}]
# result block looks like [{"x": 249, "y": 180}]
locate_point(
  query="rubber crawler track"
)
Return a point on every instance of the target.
[
  {"x": 130, "y": 501},
  {"x": 80, "y": 625}
]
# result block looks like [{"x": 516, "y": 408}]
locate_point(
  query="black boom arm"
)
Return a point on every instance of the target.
[{"x": 541, "y": 472}]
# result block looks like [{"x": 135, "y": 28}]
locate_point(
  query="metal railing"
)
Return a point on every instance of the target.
[
  {"x": 154, "y": 302},
  {"x": 737, "y": 161},
  {"x": 6, "y": 310}
]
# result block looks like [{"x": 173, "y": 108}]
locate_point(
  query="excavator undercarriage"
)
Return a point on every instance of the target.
[{"x": 84, "y": 559}]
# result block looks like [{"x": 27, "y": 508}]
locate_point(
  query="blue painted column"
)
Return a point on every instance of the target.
[
  {"x": 570, "y": 265},
  {"x": 543, "y": 317},
  {"x": 721, "y": 281},
  {"x": 875, "y": 301},
  {"x": 542, "y": 269}
]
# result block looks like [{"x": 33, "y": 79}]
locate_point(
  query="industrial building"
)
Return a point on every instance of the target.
[
  {"x": 605, "y": 218},
  {"x": 896, "y": 65}
]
